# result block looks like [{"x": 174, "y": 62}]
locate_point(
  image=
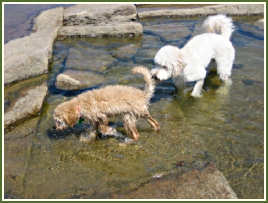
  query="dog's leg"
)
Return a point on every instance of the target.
[
  {"x": 104, "y": 128},
  {"x": 91, "y": 135},
  {"x": 152, "y": 122},
  {"x": 130, "y": 126},
  {"x": 198, "y": 88}
]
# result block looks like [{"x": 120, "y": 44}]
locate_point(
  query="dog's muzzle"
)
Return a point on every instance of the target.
[
  {"x": 155, "y": 78},
  {"x": 60, "y": 125}
]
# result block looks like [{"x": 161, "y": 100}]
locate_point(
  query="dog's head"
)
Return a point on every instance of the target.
[
  {"x": 66, "y": 114},
  {"x": 168, "y": 63}
]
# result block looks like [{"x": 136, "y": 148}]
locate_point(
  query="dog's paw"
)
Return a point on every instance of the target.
[
  {"x": 127, "y": 141},
  {"x": 196, "y": 95},
  {"x": 88, "y": 138}
]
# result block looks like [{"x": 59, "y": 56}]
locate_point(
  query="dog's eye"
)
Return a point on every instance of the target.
[{"x": 165, "y": 67}]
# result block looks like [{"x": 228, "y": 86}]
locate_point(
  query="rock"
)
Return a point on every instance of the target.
[
  {"x": 126, "y": 52},
  {"x": 172, "y": 32},
  {"x": 17, "y": 150},
  {"x": 89, "y": 59},
  {"x": 146, "y": 55},
  {"x": 88, "y": 137},
  {"x": 49, "y": 20},
  {"x": 29, "y": 56},
  {"x": 27, "y": 106},
  {"x": 99, "y": 14},
  {"x": 75, "y": 80},
  {"x": 100, "y": 20},
  {"x": 208, "y": 183},
  {"x": 13, "y": 92},
  {"x": 150, "y": 40},
  {"x": 260, "y": 23},
  {"x": 230, "y": 9},
  {"x": 123, "y": 29}
]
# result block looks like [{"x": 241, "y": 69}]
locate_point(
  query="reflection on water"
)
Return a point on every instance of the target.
[{"x": 225, "y": 126}]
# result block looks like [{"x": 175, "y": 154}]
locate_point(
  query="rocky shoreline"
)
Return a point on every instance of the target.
[{"x": 29, "y": 57}]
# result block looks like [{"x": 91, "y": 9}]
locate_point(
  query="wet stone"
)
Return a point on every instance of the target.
[
  {"x": 126, "y": 52},
  {"x": 89, "y": 59},
  {"x": 208, "y": 183},
  {"x": 27, "y": 106},
  {"x": 145, "y": 56},
  {"x": 75, "y": 80},
  {"x": 171, "y": 32},
  {"x": 18, "y": 143},
  {"x": 151, "y": 40}
]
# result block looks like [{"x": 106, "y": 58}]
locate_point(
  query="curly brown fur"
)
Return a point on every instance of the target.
[{"x": 98, "y": 105}]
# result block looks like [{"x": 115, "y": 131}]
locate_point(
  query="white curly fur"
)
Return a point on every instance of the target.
[{"x": 191, "y": 60}]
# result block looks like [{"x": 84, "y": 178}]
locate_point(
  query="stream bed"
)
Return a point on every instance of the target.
[{"x": 225, "y": 126}]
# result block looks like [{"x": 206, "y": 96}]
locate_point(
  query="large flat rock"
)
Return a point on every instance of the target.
[
  {"x": 85, "y": 14},
  {"x": 121, "y": 29},
  {"x": 29, "y": 56},
  {"x": 231, "y": 9},
  {"x": 208, "y": 183},
  {"x": 27, "y": 106},
  {"x": 75, "y": 80}
]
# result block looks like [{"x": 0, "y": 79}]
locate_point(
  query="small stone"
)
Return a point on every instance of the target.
[{"x": 75, "y": 80}]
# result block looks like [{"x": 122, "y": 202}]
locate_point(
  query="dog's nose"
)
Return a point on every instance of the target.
[{"x": 155, "y": 78}]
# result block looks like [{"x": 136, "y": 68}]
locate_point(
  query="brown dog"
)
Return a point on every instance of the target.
[{"x": 98, "y": 105}]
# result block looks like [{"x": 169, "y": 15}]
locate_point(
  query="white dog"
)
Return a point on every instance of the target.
[{"x": 191, "y": 61}]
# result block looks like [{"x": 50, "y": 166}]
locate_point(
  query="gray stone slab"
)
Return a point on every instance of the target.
[
  {"x": 27, "y": 106},
  {"x": 89, "y": 59},
  {"x": 208, "y": 183},
  {"x": 49, "y": 20},
  {"x": 124, "y": 29},
  {"x": 85, "y": 14},
  {"x": 126, "y": 52},
  {"x": 170, "y": 31},
  {"x": 29, "y": 56},
  {"x": 231, "y": 9}
]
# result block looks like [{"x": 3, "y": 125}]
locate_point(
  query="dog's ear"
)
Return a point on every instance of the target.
[
  {"x": 180, "y": 65},
  {"x": 77, "y": 109},
  {"x": 181, "y": 62},
  {"x": 72, "y": 115}
]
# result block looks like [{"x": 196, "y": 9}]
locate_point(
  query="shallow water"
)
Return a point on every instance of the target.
[{"x": 225, "y": 126}]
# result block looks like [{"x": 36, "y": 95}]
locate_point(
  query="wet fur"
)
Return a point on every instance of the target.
[{"x": 98, "y": 105}]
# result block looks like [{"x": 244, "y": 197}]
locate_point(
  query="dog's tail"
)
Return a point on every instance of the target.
[
  {"x": 150, "y": 85},
  {"x": 220, "y": 24}
]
